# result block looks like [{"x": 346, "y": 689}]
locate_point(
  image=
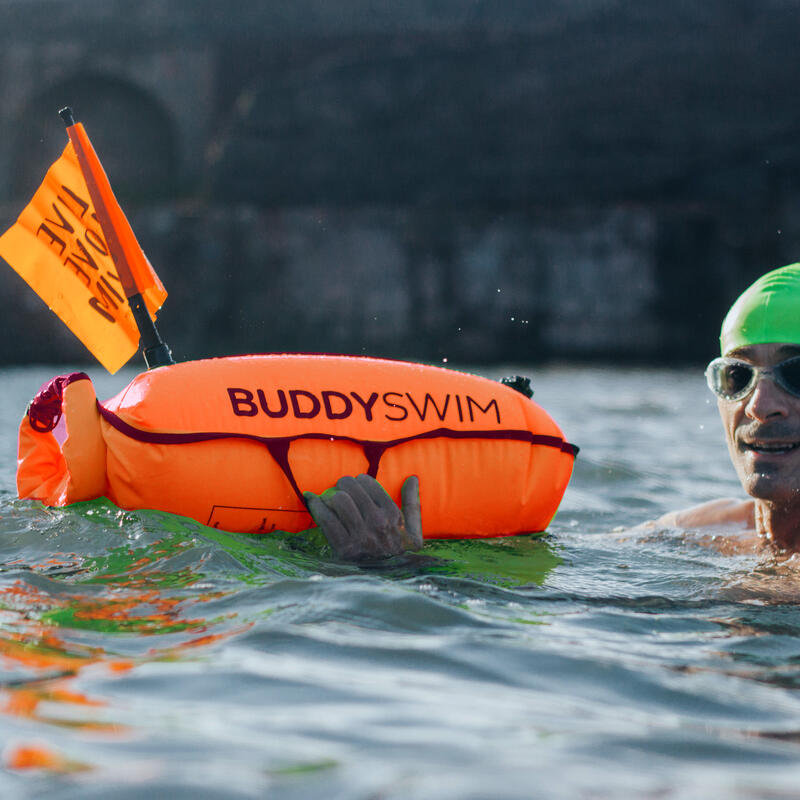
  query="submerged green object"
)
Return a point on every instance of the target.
[{"x": 766, "y": 312}]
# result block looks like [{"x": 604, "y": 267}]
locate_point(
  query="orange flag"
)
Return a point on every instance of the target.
[{"x": 60, "y": 248}]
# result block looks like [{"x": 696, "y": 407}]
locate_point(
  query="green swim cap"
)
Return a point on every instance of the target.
[{"x": 767, "y": 312}]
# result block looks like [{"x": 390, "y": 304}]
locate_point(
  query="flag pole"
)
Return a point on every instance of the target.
[{"x": 155, "y": 350}]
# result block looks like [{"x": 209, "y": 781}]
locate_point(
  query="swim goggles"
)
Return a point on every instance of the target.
[{"x": 732, "y": 379}]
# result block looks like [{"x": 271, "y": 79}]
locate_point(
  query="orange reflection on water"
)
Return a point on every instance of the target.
[
  {"x": 37, "y": 755},
  {"x": 124, "y": 593},
  {"x": 33, "y": 642}
]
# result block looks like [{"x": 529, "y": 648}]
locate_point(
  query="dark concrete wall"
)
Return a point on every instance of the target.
[{"x": 365, "y": 176}]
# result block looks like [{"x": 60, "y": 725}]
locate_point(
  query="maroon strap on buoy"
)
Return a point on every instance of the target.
[
  {"x": 278, "y": 446},
  {"x": 44, "y": 411}
]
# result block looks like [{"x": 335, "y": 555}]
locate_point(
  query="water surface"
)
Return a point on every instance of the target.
[{"x": 145, "y": 655}]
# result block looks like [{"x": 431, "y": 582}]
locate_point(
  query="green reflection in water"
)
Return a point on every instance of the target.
[{"x": 509, "y": 561}]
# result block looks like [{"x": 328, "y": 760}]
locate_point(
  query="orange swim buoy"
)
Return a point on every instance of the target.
[{"x": 233, "y": 442}]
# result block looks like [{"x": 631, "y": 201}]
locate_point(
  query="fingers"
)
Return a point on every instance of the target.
[
  {"x": 360, "y": 491},
  {"x": 360, "y": 520},
  {"x": 380, "y": 497},
  {"x": 380, "y": 532},
  {"x": 350, "y": 522},
  {"x": 412, "y": 512},
  {"x": 328, "y": 522}
]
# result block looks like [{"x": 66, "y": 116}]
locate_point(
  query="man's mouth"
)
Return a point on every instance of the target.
[{"x": 771, "y": 448}]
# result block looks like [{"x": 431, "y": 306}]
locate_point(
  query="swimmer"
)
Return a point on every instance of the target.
[{"x": 757, "y": 384}]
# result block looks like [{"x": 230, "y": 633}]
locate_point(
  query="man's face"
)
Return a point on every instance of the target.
[{"x": 763, "y": 430}]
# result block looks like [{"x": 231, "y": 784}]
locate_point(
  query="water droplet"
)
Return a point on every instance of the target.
[{"x": 444, "y": 361}]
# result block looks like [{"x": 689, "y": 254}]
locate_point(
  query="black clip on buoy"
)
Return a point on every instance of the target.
[{"x": 520, "y": 383}]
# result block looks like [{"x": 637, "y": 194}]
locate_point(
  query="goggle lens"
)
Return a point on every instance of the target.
[
  {"x": 732, "y": 379},
  {"x": 789, "y": 375}
]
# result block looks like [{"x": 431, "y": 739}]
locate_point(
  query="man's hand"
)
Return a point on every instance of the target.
[{"x": 361, "y": 522}]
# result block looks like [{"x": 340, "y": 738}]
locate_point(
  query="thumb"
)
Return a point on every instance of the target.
[{"x": 412, "y": 512}]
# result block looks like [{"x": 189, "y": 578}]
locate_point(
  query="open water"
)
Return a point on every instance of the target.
[{"x": 143, "y": 655}]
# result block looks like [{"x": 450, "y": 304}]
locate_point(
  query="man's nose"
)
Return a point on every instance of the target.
[{"x": 767, "y": 400}]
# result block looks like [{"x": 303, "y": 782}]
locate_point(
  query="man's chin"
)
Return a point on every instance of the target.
[{"x": 771, "y": 489}]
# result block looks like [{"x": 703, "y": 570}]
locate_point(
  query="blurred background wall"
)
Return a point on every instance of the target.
[{"x": 476, "y": 180}]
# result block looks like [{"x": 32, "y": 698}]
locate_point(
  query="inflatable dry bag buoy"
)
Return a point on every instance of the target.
[{"x": 233, "y": 443}]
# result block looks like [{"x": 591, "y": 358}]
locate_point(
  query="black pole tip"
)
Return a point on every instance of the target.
[{"x": 66, "y": 115}]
